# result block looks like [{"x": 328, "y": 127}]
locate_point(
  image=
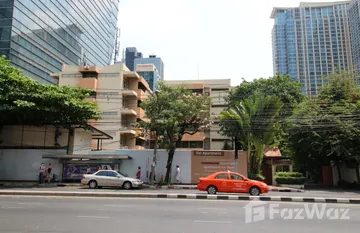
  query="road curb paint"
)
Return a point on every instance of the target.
[
  {"x": 182, "y": 196},
  {"x": 145, "y": 187}
]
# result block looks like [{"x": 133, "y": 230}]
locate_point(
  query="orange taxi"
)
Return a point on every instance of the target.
[{"x": 231, "y": 182}]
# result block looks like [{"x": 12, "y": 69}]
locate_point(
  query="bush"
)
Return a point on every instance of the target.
[
  {"x": 289, "y": 174},
  {"x": 258, "y": 177},
  {"x": 289, "y": 178}
]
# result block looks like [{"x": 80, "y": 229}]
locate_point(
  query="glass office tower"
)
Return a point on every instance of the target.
[
  {"x": 39, "y": 36},
  {"x": 354, "y": 15},
  {"x": 311, "y": 41}
]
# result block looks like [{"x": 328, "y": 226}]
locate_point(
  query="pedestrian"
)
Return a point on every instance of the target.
[
  {"x": 41, "y": 173},
  {"x": 177, "y": 174},
  {"x": 99, "y": 168},
  {"x": 48, "y": 173},
  {"x": 88, "y": 170},
  {"x": 138, "y": 173},
  {"x": 154, "y": 175}
]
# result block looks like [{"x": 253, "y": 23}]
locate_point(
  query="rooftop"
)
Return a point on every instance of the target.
[{"x": 308, "y": 4}]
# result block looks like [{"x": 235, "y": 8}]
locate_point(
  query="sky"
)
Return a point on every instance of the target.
[{"x": 203, "y": 39}]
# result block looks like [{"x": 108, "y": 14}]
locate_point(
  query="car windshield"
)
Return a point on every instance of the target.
[{"x": 121, "y": 174}]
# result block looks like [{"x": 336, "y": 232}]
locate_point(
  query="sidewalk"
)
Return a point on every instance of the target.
[
  {"x": 146, "y": 186},
  {"x": 178, "y": 196}
]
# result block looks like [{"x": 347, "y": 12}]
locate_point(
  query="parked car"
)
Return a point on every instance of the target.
[
  {"x": 109, "y": 178},
  {"x": 231, "y": 182}
]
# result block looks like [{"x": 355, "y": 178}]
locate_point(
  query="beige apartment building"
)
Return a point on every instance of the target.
[
  {"x": 217, "y": 89},
  {"x": 118, "y": 92}
]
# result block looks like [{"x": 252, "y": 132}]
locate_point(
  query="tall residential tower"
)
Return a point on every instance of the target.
[
  {"x": 311, "y": 41},
  {"x": 40, "y": 36}
]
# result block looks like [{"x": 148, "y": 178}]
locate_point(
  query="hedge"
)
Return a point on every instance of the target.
[
  {"x": 289, "y": 178},
  {"x": 256, "y": 177}
]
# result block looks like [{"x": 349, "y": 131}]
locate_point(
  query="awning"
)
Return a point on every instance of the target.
[
  {"x": 88, "y": 156},
  {"x": 95, "y": 132}
]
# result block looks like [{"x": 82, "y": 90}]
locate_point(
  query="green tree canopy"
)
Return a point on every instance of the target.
[
  {"x": 174, "y": 112},
  {"x": 25, "y": 101},
  {"x": 326, "y": 128}
]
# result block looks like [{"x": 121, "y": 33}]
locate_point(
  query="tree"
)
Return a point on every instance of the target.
[
  {"x": 25, "y": 101},
  {"x": 325, "y": 129},
  {"x": 289, "y": 92},
  {"x": 256, "y": 119},
  {"x": 175, "y": 111}
]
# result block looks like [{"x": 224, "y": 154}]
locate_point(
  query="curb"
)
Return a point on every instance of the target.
[{"x": 183, "y": 196}]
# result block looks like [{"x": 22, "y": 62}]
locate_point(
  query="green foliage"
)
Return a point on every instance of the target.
[
  {"x": 289, "y": 178},
  {"x": 174, "y": 112},
  {"x": 326, "y": 128},
  {"x": 25, "y": 101},
  {"x": 256, "y": 120},
  {"x": 258, "y": 177},
  {"x": 289, "y": 174}
]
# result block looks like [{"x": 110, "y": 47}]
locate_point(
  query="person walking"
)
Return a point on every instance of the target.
[
  {"x": 48, "y": 173},
  {"x": 138, "y": 173},
  {"x": 88, "y": 170},
  {"x": 41, "y": 173},
  {"x": 177, "y": 174}
]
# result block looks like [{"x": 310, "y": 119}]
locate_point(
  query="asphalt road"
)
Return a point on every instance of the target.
[
  {"x": 63, "y": 215},
  {"x": 325, "y": 194}
]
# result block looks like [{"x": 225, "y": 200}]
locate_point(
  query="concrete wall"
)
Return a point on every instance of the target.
[
  {"x": 143, "y": 158},
  {"x": 347, "y": 174},
  {"x": 24, "y": 164},
  {"x": 31, "y": 136}
]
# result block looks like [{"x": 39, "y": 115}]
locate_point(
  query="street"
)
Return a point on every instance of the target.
[
  {"x": 314, "y": 193},
  {"x": 40, "y": 214}
]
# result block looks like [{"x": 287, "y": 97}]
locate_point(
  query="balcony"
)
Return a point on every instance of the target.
[
  {"x": 141, "y": 95},
  {"x": 128, "y": 92},
  {"x": 141, "y": 114},
  {"x": 130, "y": 74},
  {"x": 89, "y": 83},
  {"x": 127, "y": 129},
  {"x": 145, "y": 84},
  {"x": 128, "y": 111}
]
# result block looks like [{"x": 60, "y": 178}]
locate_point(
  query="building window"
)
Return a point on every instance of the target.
[{"x": 110, "y": 113}]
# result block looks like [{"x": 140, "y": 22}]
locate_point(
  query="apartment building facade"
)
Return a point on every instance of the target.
[
  {"x": 118, "y": 92},
  {"x": 218, "y": 90},
  {"x": 311, "y": 41}
]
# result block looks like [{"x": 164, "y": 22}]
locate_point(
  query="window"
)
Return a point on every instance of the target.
[
  {"x": 223, "y": 176},
  {"x": 282, "y": 168},
  {"x": 102, "y": 173},
  {"x": 112, "y": 174},
  {"x": 236, "y": 177}
]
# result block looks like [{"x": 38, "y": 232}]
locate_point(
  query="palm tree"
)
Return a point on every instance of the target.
[{"x": 257, "y": 123}]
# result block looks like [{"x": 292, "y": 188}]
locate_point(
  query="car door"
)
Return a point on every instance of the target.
[
  {"x": 222, "y": 182},
  {"x": 237, "y": 183},
  {"x": 101, "y": 178},
  {"x": 113, "y": 179}
]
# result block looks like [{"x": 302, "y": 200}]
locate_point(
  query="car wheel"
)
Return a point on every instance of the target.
[
  {"x": 127, "y": 185},
  {"x": 212, "y": 190},
  {"x": 93, "y": 184},
  {"x": 254, "y": 191}
]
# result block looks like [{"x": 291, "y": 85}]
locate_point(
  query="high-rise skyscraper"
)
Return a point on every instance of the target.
[
  {"x": 311, "y": 41},
  {"x": 354, "y": 16},
  {"x": 131, "y": 53},
  {"x": 40, "y": 36}
]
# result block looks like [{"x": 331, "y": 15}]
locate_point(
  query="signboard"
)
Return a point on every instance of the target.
[
  {"x": 76, "y": 171},
  {"x": 205, "y": 163}
]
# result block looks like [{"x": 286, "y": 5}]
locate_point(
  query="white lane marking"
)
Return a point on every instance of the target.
[
  {"x": 30, "y": 203},
  {"x": 201, "y": 221},
  {"x": 12, "y": 207},
  {"x": 211, "y": 208},
  {"x": 101, "y": 217}
]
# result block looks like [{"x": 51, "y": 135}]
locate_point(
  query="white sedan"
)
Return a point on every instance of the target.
[{"x": 109, "y": 178}]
